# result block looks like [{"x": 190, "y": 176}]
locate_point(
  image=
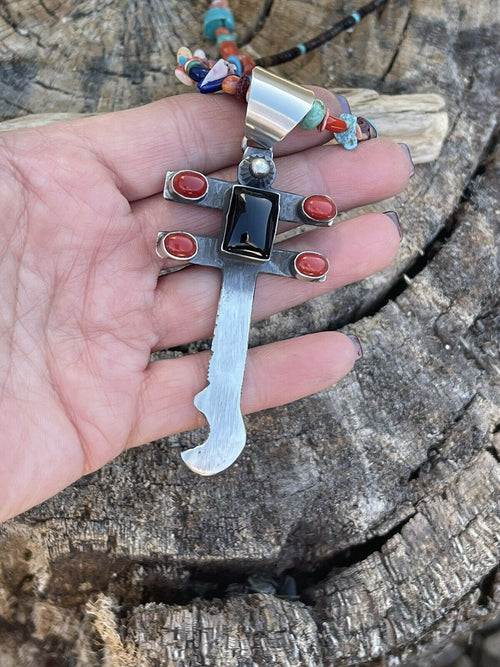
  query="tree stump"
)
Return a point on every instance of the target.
[{"x": 360, "y": 526}]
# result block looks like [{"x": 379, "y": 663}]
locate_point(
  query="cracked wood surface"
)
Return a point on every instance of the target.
[{"x": 380, "y": 495}]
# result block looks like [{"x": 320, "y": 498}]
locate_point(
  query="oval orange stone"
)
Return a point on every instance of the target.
[
  {"x": 319, "y": 207},
  {"x": 190, "y": 184},
  {"x": 180, "y": 245},
  {"x": 311, "y": 264}
]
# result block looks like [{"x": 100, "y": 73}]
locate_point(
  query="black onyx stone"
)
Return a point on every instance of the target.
[{"x": 251, "y": 222}]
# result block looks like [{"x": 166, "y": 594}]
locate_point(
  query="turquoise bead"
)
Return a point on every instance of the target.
[
  {"x": 314, "y": 116},
  {"x": 226, "y": 38},
  {"x": 348, "y": 138},
  {"x": 217, "y": 17},
  {"x": 236, "y": 62}
]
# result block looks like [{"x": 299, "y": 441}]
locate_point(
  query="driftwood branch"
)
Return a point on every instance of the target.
[{"x": 420, "y": 121}]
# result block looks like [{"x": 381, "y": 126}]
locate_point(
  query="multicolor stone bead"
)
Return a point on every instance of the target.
[{"x": 232, "y": 71}]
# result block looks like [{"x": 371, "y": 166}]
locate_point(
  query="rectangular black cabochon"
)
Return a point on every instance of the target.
[{"x": 251, "y": 222}]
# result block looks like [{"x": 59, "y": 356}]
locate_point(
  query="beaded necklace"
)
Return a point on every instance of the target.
[{"x": 231, "y": 73}]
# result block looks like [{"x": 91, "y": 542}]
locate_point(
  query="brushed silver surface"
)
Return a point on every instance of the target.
[
  {"x": 216, "y": 195},
  {"x": 220, "y": 400}
]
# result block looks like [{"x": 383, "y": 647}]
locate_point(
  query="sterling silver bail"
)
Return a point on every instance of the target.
[{"x": 275, "y": 107}]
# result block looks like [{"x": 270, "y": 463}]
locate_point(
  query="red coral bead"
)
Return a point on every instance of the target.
[
  {"x": 311, "y": 265},
  {"x": 319, "y": 207},
  {"x": 334, "y": 124},
  {"x": 180, "y": 245},
  {"x": 190, "y": 184}
]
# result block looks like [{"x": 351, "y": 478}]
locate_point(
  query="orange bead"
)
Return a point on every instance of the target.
[
  {"x": 334, "y": 124},
  {"x": 221, "y": 30},
  {"x": 229, "y": 84},
  {"x": 228, "y": 49}
]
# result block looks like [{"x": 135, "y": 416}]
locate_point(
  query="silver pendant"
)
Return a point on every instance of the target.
[{"x": 251, "y": 210}]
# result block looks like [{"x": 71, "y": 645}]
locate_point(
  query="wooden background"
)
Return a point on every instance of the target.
[{"x": 377, "y": 499}]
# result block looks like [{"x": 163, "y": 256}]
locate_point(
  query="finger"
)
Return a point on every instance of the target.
[
  {"x": 376, "y": 170},
  {"x": 275, "y": 374},
  {"x": 202, "y": 132},
  {"x": 186, "y": 301}
]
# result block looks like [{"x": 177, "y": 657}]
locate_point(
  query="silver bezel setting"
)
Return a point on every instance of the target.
[
  {"x": 245, "y": 175},
  {"x": 175, "y": 194},
  {"x": 303, "y": 276},
  {"x": 326, "y": 222},
  {"x": 163, "y": 253}
]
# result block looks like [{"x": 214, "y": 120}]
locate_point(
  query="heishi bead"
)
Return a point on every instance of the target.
[
  {"x": 192, "y": 62},
  {"x": 180, "y": 245},
  {"x": 189, "y": 184},
  {"x": 226, "y": 37},
  {"x": 319, "y": 207},
  {"x": 229, "y": 84},
  {"x": 334, "y": 124},
  {"x": 220, "y": 3},
  {"x": 314, "y": 116},
  {"x": 217, "y": 17},
  {"x": 312, "y": 265},
  {"x": 222, "y": 31}
]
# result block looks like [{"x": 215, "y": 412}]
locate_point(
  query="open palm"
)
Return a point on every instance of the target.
[{"x": 82, "y": 306}]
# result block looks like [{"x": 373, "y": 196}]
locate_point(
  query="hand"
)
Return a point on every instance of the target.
[{"x": 82, "y": 306}]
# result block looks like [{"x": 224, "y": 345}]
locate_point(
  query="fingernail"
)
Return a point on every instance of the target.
[
  {"x": 344, "y": 104},
  {"x": 357, "y": 345},
  {"x": 395, "y": 219},
  {"x": 408, "y": 155}
]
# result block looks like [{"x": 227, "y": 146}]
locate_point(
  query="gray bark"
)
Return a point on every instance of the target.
[{"x": 379, "y": 497}]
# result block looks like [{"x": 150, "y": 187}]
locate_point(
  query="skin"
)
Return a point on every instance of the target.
[{"x": 82, "y": 306}]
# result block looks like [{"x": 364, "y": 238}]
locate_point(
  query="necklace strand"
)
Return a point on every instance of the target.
[
  {"x": 232, "y": 72},
  {"x": 346, "y": 23}
]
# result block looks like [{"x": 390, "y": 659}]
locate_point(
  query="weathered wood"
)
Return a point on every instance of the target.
[{"x": 379, "y": 496}]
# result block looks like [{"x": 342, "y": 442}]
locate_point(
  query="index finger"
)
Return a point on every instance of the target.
[{"x": 201, "y": 132}]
